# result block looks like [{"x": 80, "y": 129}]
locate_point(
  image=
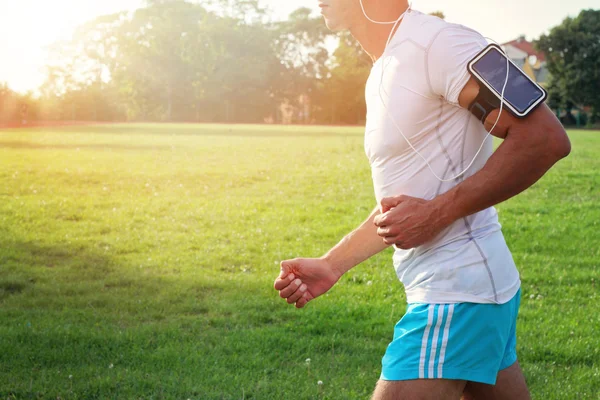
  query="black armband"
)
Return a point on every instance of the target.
[{"x": 484, "y": 104}]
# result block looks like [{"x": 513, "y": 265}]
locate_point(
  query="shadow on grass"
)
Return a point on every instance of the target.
[
  {"x": 25, "y": 264},
  {"x": 64, "y": 284},
  {"x": 124, "y": 332},
  {"x": 62, "y": 276},
  {"x": 87, "y": 285}
]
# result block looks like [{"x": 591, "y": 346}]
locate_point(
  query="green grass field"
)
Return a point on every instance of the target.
[{"x": 137, "y": 261}]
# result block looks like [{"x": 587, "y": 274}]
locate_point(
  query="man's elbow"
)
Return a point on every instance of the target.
[
  {"x": 557, "y": 143},
  {"x": 560, "y": 144}
]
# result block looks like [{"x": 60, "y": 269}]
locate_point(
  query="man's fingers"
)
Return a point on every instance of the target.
[
  {"x": 390, "y": 202},
  {"x": 287, "y": 266},
  {"x": 390, "y": 240},
  {"x": 303, "y": 300},
  {"x": 297, "y": 294},
  {"x": 380, "y": 220},
  {"x": 383, "y": 220},
  {"x": 281, "y": 283},
  {"x": 290, "y": 289},
  {"x": 404, "y": 246},
  {"x": 384, "y": 231}
]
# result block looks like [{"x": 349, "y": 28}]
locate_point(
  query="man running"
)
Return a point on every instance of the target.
[{"x": 458, "y": 336}]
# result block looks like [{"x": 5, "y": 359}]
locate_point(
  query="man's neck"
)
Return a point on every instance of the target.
[{"x": 373, "y": 37}]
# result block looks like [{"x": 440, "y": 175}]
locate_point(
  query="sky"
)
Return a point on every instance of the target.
[{"x": 27, "y": 27}]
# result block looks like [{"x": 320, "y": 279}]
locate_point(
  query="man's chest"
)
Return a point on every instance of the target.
[{"x": 400, "y": 108}]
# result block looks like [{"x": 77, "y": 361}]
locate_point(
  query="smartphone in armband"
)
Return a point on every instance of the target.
[{"x": 521, "y": 96}]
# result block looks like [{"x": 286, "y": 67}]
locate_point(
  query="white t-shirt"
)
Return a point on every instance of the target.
[{"x": 425, "y": 71}]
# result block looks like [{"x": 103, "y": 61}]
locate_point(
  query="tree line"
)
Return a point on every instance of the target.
[{"x": 227, "y": 61}]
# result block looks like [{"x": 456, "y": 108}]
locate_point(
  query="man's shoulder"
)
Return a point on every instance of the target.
[{"x": 426, "y": 29}]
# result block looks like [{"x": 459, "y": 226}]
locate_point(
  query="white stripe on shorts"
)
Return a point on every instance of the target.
[
  {"x": 434, "y": 343},
  {"x": 424, "y": 342},
  {"x": 445, "y": 340}
]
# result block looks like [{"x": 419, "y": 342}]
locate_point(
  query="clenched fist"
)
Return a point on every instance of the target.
[
  {"x": 409, "y": 222},
  {"x": 304, "y": 279}
]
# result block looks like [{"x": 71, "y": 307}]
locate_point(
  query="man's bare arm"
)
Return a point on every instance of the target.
[
  {"x": 356, "y": 247},
  {"x": 530, "y": 148},
  {"x": 303, "y": 279}
]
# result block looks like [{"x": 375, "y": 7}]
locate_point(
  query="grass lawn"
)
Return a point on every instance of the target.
[{"x": 137, "y": 261}]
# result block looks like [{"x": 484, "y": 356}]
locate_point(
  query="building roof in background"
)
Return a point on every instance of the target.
[
  {"x": 524, "y": 55},
  {"x": 514, "y": 53},
  {"x": 522, "y": 44}
]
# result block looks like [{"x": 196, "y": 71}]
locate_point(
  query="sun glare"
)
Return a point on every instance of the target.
[{"x": 28, "y": 27}]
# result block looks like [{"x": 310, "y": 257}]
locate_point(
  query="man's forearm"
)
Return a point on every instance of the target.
[
  {"x": 356, "y": 247},
  {"x": 520, "y": 161}
]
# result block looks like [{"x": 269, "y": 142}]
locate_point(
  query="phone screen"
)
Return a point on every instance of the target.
[{"x": 520, "y": 92}]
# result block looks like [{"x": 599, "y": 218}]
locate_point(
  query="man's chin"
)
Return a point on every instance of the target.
[{"x": 333, "y": 26}]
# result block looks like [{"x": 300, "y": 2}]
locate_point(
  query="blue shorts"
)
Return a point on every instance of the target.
[{"x": 465, "y": 341}]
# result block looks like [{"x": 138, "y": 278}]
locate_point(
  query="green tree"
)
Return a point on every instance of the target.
[
  {"x": 17, "y": 108},
  {"x": 573, "y": 58},
  {"x": 344, "y": 99},
  {"x": 8, "y": 103},
  {"x": 301, "y": 46},
  {"x": 172, "y": 60}
]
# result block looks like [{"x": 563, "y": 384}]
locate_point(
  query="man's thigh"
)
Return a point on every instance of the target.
[
  {"x": 421, "y": 389},
  {"x": 510, "y": 385}
]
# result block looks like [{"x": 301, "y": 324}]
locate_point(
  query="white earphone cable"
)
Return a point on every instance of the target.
[{"x": 380, "y": 22}]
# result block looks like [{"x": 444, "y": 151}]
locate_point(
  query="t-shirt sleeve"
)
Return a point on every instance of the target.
[{"x": 448, "y": 56}]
